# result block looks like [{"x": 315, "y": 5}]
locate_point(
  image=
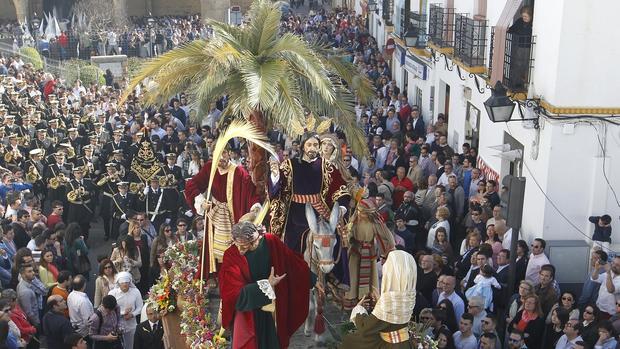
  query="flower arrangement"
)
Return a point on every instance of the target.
[
  {"x": 179, "y": 280},
  {"x": 163, "y": 295}
]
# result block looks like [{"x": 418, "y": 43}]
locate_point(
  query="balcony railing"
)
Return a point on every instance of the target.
[
  {"x": 518, "y": 61},
  {"x": 441, "y": 26},
  {"x": 417, "y": 23},
  {"x": 388, "y": 10},
  {"x": 470, "y": 40}
]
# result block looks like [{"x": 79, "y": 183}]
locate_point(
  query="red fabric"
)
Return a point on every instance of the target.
[
  {"x": 397, "y": 196},
  {"x": 52, "y": 220},
  {"x": 21, "y": 321},
  {"x": 292, "y": 293},
  {"x": 244, "y": 193},
  {"x": 49, "y": 87},
  {"x": 63, "y": 40},
  {"x": 403, "y": 114}
]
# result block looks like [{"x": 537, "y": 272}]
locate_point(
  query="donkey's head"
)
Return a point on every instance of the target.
[{"x": 323, "y": 237}]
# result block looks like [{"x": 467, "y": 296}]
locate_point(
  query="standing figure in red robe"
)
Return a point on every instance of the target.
[
  {"x": 265, "y": 289},
  {"x": 232, "y": 195}
]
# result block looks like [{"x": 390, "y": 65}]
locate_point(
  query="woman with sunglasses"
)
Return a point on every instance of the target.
[
  {"x": 105, "y": 280},
  {"x": 530, "y": 321},
  {"x": 166, "y": 238},
  {"x": 590, "y": 318},
  {"x": 568, "y": 302},
  {"x": 555, "y": 329}
]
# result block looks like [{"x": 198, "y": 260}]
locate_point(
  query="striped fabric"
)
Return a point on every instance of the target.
[
  {"x": 395, "y": 337},
  {"x": 221, "y": 221},
  {"x": 314, "y": 200},
  {"x": 367, "y": 256}
]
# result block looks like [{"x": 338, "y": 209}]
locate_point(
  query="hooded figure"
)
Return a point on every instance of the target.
[{"x": 387, "y": 325}]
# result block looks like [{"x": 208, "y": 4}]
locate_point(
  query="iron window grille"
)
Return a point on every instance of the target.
[
  {"x": 470, "y": 40},
  {"x": 441, "y": 26},
  {"x": 518, "y": 61}
]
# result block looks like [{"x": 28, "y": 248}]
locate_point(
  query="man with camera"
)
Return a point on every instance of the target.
[{"x": 105, "y": 325}]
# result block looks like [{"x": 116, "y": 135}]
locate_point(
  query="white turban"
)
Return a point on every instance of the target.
[{"x": 123, "y": 277}]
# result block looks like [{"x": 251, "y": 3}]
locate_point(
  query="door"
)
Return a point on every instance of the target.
[{"x": 446, "y": 110}]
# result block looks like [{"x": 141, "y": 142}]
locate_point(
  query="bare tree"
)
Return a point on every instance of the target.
[{"x": 97, "y": 16}]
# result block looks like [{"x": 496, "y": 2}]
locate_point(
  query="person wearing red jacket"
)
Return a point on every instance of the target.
[{"x": 19, "y": 317}]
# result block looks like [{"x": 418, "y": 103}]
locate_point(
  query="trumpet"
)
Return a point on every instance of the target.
[
  {"x": 76, "y": 194},
  {"x": 70, "y": 153},
  {"x": 33, "y": 175}
]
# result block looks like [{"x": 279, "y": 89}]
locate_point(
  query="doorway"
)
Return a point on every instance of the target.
[
  {"x": 472, "y": 126},
  {"x": 446, "y": 110}
]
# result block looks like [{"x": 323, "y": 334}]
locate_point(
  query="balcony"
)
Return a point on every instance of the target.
[
  {"x": 518, "y": 61},
  {"x": 470, "y": 43},
  {"x": 441, "y": 28},
  {"x": 388, "y": 9}
]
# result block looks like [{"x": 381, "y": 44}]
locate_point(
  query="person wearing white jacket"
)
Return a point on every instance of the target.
[{"x": 130, "y": 302}]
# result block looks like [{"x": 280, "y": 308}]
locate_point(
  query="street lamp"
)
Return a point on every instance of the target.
[
  {"x": 411, "y": 38},
  {"x": 499, "y": 106},
  {"x": 372, "y": 6}
]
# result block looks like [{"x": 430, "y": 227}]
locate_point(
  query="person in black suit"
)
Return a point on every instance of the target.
[
  {"x": 149, "y": 334},
  {"x": 172, "y": 169},
  {"x": 417, "y": 122},
  {"x": 122, "y": 203}
]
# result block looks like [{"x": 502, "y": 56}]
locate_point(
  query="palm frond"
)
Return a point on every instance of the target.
[
  {"x": 238, "y": 129},
  {"x": 191, "y": 54}
]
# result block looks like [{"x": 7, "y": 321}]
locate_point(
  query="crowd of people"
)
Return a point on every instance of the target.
[
  {"x": 68, "y": 157},
  {"x": 141, "y": 37}
]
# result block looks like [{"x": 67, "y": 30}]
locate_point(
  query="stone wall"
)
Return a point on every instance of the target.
[
  {"x": 208, "y": 8},
  {"x": 7, "y": 9}
]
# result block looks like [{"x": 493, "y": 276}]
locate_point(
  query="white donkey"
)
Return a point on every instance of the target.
[{"x": 318, "y": 253}]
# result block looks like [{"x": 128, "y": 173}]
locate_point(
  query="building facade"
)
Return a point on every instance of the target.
[{"x": 458, "y": 49}]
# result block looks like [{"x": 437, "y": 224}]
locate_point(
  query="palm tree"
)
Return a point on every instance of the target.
[{"x": 271, "y": 78}]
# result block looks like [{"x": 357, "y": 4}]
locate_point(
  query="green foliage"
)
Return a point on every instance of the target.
[
  {"x": 31, "y": 55},
  {"x": 134, "y": 65},
  {"x": 91, "y": 74}
]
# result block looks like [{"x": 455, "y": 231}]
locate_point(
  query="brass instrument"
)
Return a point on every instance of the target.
[
  {"x": 167, "y": 180},
  {"x": 137, "y": 188},
  {"x": 107, "y": 178},
  {"x": 70, "y": 153},
  {"x": 33, "y": 174},
  {"x": 76, "y": 194},
  {"x": 12, "y": 155},
  {"x": 57, "y": 181}
]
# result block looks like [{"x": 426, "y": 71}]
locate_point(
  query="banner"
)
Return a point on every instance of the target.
[{"x": 486, "y": 170}]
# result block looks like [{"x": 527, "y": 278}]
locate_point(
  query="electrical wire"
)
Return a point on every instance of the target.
[
  {"x": 551, "y": 201},
  {"x": 604, "y": 153}
]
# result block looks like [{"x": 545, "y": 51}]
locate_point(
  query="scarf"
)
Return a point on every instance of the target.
[{"x": 398, "y": 289}]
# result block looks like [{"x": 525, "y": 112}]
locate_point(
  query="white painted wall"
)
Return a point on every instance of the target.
[{"x": 568, "y": 32}]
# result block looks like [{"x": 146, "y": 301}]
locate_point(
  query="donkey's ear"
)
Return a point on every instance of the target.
[
  {"x": 334, "y": 217},
  {"x": 311, "y": 218}
]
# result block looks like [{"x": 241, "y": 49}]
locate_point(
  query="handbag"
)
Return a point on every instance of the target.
[{"x": 81, "y": 264}]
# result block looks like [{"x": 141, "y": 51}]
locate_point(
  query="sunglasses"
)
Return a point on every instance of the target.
[
  {"x": 168, "y": 229},
  {"x": 512, "y": 340},
  {"x": 107, "y": 267},
  {"x": 181, "y": 225},
  {"x": 567, "y": 299},
  {"x": 588, "y": 312}
]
